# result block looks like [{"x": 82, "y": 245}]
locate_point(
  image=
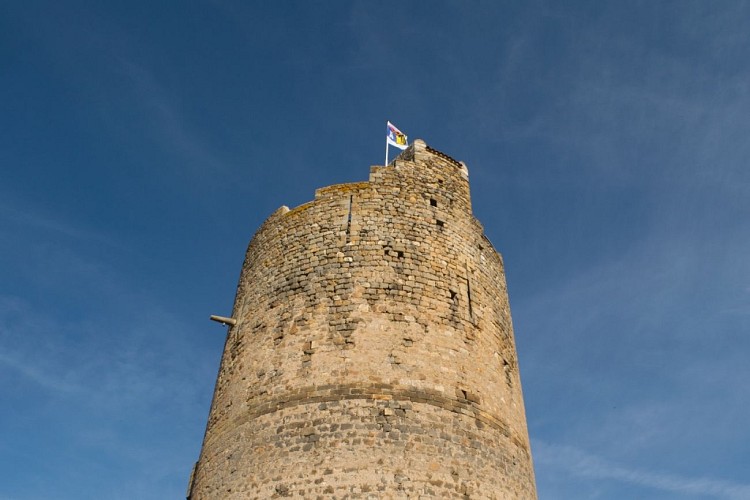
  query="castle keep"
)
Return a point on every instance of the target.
[{"x": 373, "y": 352}]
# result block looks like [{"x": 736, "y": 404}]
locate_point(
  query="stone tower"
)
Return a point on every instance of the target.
[{"x": 373, "y": 352}]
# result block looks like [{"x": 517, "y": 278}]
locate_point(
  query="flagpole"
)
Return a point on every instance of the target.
[{"x": 386, "y": 152}]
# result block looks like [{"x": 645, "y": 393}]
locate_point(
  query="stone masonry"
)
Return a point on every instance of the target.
[{"x": 373, "y": 354}]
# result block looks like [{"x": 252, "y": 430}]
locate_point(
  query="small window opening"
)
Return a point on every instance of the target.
[
  {"x": 440, "y": 224},
  {"x": 433, "y": 202},
  {"x": 400, "y": 254}
]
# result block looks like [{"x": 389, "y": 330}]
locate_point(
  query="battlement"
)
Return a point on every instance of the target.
[{"x": 419, "y": 168}]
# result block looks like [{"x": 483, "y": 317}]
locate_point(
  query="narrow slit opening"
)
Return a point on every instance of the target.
[
  {"x": 349, "y": 219},
  {"x": 468, "y": 296}
]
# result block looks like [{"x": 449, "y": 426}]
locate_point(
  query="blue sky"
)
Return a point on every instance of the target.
[{"x": 142, "y": 143}]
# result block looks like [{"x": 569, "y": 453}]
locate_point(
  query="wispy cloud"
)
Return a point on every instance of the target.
[
  {"x": 31, "y": 371},
  {"x": 122, "y": 383},
  {"x": 129, "y": 367},
  {"x": 102, "y": 62},
  {"x": 655, "y": 355},
  {"x": 168, "y": 123},
  {"x": 579, "y": 463},
  {"x": 31, "y": 220}
]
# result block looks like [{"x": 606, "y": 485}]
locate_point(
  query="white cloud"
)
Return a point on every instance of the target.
[
  {"x": 578, "y": 462},
  {"x": 641, "y": 345},
  {"x": 30, "y": 369}
]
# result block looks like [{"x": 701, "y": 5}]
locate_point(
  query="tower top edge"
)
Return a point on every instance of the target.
[
  {"x": 418, "y": 149},
  {"x": 419, "y": 145}
]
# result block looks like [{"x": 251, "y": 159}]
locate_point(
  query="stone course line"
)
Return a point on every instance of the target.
[{"x": 312, "y": 394}]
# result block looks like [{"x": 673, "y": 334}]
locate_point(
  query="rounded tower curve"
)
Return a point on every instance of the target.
[{"x": 373, "y": 352}]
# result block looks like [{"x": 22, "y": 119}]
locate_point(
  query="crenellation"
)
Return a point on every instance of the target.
[{"x": 373, "y": 354}]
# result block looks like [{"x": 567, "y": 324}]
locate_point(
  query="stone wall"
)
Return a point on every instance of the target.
[{"x": 373, "y": 354}]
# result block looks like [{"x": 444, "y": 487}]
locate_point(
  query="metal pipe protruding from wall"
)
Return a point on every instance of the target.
[{"x": 223, "y": 320}]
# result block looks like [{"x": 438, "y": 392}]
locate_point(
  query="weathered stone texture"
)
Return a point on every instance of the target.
[{"x": 373, "y": 355}]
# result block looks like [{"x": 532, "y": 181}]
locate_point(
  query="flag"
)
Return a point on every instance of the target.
[{"x": 395, "y": 137}]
